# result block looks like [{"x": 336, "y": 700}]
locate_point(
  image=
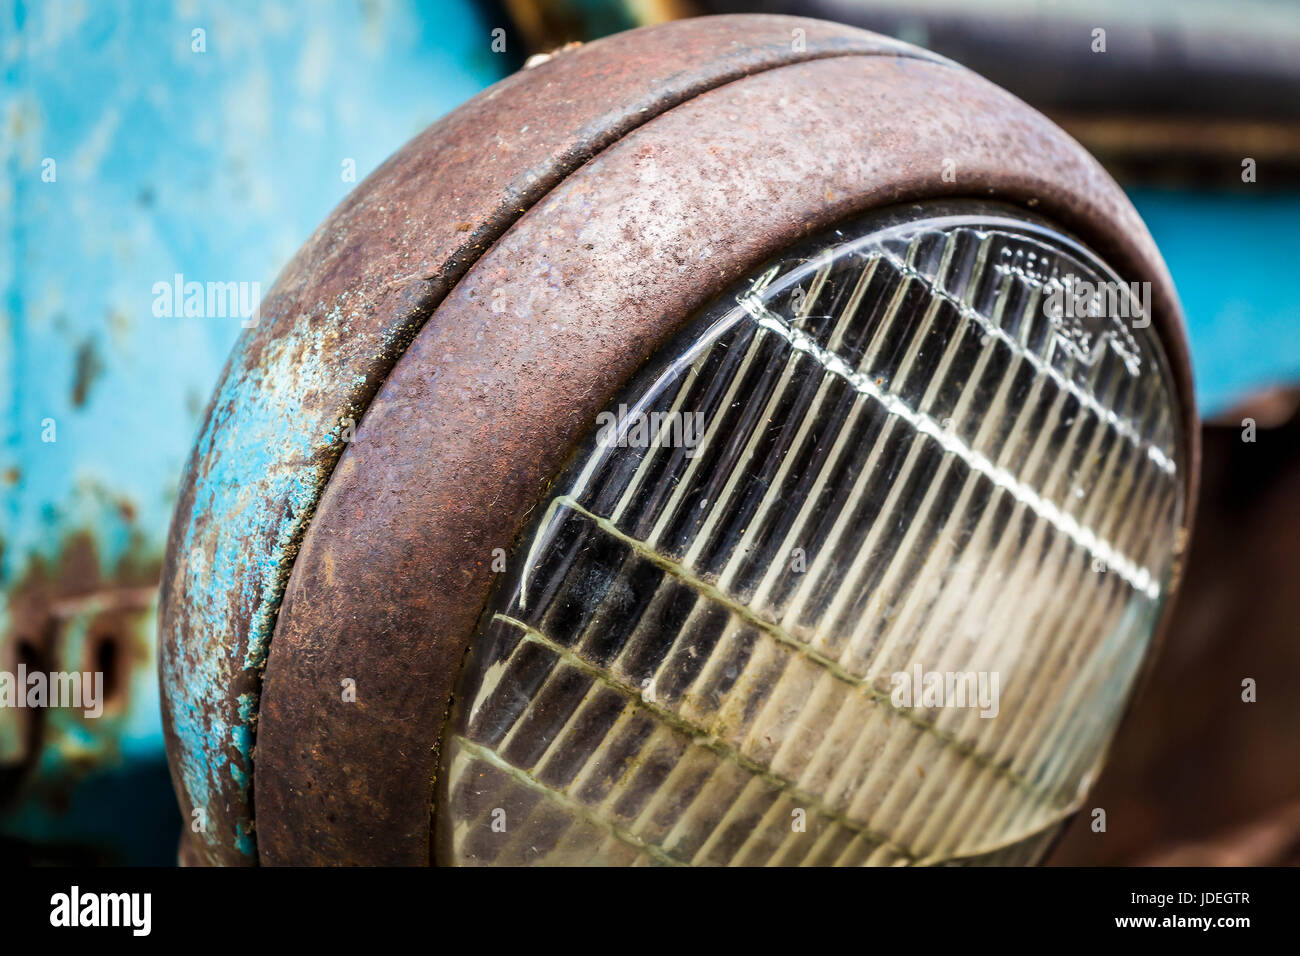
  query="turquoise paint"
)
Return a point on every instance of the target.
[
  {"x": 249, "y": 462},
  {"x": 216, "y": 166},
  {"x": 1233, "y": 259}
]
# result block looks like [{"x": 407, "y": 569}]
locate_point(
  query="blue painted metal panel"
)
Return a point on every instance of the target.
[
  {"x": 135, "y": 150},
  {"x": 1233, "y": 259}
]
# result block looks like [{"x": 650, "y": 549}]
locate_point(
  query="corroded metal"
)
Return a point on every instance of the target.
[
  {"x": 339, "y": 318},
  {"x": 102, "y": 379},
  {"x": 496, "y": 390}
]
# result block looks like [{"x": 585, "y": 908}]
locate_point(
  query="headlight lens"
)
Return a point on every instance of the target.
[{"x": 860, "y": 569}]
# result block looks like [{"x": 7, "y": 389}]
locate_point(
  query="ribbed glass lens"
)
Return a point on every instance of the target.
[{"x": 859, "y": 570}]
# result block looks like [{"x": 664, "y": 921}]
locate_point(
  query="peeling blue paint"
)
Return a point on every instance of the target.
[{"x": 216, "y": 166}]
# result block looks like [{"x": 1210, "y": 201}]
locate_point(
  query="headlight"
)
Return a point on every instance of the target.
[
  {"x": 889, "y": 453},
  {"x": 572, "y": 504}
]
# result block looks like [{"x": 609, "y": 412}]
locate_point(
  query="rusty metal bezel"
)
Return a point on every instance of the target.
[
  {"x": 393, "y": 561},
  {"x": 483, "y": 408},
  {"x": 339, "y": 317}
]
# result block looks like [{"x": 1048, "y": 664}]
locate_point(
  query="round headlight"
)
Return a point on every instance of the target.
[
  {"x": 748, "y": 440},
  {"x": 860, "y": 568}
]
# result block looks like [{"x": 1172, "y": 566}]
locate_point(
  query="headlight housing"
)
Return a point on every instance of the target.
[
  {"x": 893, "y": 452},
  {"x": 391, "y": 471}
]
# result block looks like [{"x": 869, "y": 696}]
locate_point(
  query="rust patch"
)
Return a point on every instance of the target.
[
  {"x": 341, "y": 315},
  {"x": 484, "y": 407}
]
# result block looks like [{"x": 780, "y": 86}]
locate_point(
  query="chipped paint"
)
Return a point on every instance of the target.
[
  {"x": 166, "y": 161},
  {"x": 337, "y": 320}
]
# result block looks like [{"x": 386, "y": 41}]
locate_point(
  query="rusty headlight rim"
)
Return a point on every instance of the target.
[
  {"x": 323, "y": 795},
  {"x": 795, "y": 267}
]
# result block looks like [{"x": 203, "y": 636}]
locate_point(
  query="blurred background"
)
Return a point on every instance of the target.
[{"x": 148, "y": 143}]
